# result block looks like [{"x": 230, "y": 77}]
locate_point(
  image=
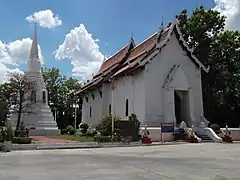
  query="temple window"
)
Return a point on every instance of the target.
[
  {"x": 44, "y": 96},
  {"x": 90, "y": 112},
  {"x": 110, "y": 109},
  {"x": 126, "y": 111}
]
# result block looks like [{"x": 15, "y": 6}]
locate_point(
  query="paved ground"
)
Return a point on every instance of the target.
[
  {"x": 169, "y": 162},
  {"x": 50, "y": 140}
]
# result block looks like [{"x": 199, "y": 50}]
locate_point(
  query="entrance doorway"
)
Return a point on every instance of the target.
[{"x": 181, "y": 105}]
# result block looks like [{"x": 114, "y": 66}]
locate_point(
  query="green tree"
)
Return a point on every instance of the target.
[
  {"x": 5, "y": 97},
  {"x": 204, "y": 31},
  {"x": 61, "y": 99}
]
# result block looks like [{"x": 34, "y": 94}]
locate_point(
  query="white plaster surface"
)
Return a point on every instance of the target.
[
  {"x": 38, "y": 117},
  {"x": 207, "y": 161},
  {"x": 148, "y": 99}
]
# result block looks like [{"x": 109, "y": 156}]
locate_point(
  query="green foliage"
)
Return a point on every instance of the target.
[
  {"x": 92, "y": 133},
  {"x": 105, "y": 126},
  {"x": 70, "y": 130},
  {"x": 133, "y": 119},
  {"x": 84, "y": 127},
  {"x": 6, "y": 132},
  {"x": 216, "y": 128},
  {"x": 3, "y": 133},
  {"x": 3, "y": 110},
  {"x": 204, "y": 31},
  {"x": 9, "y": 131},
  {"x": 61, "y": 99}
]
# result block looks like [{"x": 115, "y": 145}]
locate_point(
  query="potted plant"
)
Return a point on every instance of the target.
[
  {"x": 192, "y": 136},
  {"x": 145, "y": 138},
  {"x": 227, "y": 136},
  {"x": 22, "y": 135}
]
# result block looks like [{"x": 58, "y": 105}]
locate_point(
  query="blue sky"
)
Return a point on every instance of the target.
[{"x": 111, "y": 22}]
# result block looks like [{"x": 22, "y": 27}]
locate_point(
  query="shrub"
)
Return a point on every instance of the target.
[
  {"x": 105, "y": 126},
  {"x": 64, "y": 131},
  {"x": 91, "y": 133},
  {"x": 70, "y": 130},
  {"x": 3, "y": 132},
  {"x": 9, "y": 131},
  {"x": 133, "y": 119},
  {"x": 216, "y": 128},
  {"x": 84, "y": 127}
]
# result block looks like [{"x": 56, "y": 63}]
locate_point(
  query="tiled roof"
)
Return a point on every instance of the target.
[
  {"x": 135, "y": 57},
  {"x": 109, "y": 64},
  {"x": 140, "y": 51},
  {"x": 146, "y": 45},
  {"x": 113, "y": 60},
  {"x": 143, "y": 50}
]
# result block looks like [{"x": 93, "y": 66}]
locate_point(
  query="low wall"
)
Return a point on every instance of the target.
[
  {"x": 155, "y": 135},
  {"x": 235, "y": 133}
]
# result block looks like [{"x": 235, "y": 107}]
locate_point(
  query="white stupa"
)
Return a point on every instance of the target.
[{"x": 40, "y": 119}]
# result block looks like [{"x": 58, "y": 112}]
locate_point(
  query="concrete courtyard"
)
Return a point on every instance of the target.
[{"x": 165, "y": 162}]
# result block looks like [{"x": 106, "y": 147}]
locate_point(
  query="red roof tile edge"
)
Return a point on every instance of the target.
[{"x": 147, "y": 54}]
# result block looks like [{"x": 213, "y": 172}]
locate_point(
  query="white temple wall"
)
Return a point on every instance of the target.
[
  {"x": 106, "y": 98},
  {"x": 158, "y": 100},
  {"x": 131, "y": 88},
  {"x": 92, "y": 109}
]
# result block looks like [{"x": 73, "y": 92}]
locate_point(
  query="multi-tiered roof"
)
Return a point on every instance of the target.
[{"x": 131, "y": 57}]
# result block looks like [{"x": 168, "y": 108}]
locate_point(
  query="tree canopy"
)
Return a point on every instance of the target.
[
  {"x": 204, "y": 31},
  {"x": 61, "y": 99}
]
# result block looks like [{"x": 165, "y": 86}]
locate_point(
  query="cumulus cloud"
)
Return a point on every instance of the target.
[
  {"x": 45, "y": 18},
  {"x": 231, "y": 9},
  {"x": 15, "y": 53},
  {"x": 83, "y": 50}
]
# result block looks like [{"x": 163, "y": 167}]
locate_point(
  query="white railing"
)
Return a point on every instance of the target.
[{"x": 210, "y": 133}]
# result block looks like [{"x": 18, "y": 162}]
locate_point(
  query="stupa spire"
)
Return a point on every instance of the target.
[
  {"x": 34, "y": 47},
  {"x": 34, "y": 62}
]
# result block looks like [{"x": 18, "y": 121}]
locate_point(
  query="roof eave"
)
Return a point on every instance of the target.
[{"x": 181, "y": 40}]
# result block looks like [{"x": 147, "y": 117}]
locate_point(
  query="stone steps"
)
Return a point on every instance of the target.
[{"x": 205, "y": 138}]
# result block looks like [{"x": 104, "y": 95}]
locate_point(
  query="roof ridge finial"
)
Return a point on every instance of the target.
[{"x": 162, "y": 25}]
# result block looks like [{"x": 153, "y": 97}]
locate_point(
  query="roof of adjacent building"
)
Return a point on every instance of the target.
[{"x": 131, "y": 57}]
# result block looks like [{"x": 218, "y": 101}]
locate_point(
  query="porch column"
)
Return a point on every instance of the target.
[{"x": 169, "y": 110}]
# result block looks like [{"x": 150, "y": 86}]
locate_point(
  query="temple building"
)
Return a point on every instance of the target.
[
  {"x": 159, "y": 80},
  {"x": 38, "y": 117}
]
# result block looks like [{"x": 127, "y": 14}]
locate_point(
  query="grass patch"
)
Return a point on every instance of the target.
[{"x": 73, "y": 138}]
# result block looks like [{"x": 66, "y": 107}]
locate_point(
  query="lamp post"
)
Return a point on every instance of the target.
[
  {"x": 75, "y": 106},
  {"x": 55, "y": 111},
  {"x": 113, "y": 87}
]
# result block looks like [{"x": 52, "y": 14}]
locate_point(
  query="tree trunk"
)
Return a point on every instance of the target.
[
  {"x": 19, "y": 117},
  {"x": 19, "y": 114}
]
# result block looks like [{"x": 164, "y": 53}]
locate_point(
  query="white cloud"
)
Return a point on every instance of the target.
[
  {"x": 83, "y": 51},
  {"x": 231, "y": 9},
  {"x": 45, "y": 18},
  {"x": 15, "y": 53}
]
